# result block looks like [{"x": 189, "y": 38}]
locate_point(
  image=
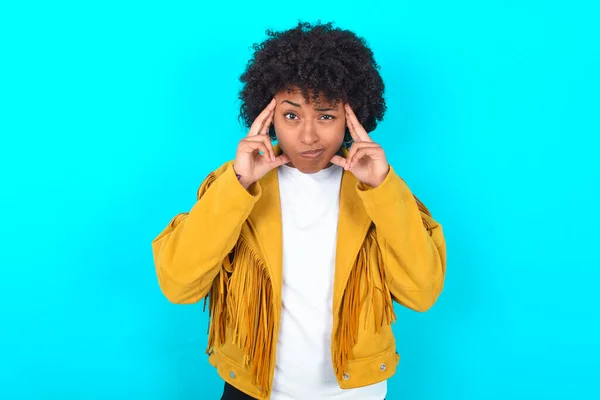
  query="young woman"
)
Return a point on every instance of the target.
[{"x": 301, "y": 246}]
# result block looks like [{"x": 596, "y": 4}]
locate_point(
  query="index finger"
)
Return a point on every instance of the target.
[
  {"x": 354, "y": 126},
  {"x": 259, "y": 122}
]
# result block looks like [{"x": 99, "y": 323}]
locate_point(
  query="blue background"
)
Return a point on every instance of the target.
[{"x": 112, "y": 113}]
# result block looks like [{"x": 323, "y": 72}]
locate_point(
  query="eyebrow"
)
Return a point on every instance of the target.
[{"x": 316, "y": 109}]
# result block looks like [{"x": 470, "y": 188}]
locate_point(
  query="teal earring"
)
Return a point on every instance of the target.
[{"x": 348, "y": 139}]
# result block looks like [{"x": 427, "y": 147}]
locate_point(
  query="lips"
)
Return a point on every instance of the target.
[{"x": 312, "y": 153}]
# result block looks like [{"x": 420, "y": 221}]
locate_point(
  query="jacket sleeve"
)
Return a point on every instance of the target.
[
  {"x": 411, "y": 241},
  {"x": 189, "y": 252}
]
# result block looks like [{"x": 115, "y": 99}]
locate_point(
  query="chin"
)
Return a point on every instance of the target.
[{"x": 309, "y": 167}]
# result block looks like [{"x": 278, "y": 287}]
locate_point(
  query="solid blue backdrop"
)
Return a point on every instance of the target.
[{"x": 112, "y": 113}]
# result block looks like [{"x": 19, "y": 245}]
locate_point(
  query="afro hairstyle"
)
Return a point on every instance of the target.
[{"x": 320, "y": 60}]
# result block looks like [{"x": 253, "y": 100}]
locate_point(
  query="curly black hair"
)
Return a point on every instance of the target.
[{"x": 319, "y": 59}]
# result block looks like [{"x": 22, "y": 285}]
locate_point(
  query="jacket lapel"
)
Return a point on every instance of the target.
[
  {"x": 353, "y": 224},
  {"x": 265, "y": 218}
]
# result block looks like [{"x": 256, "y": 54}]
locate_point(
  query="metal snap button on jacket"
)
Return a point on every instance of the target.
[
  {"x": 346, "y": 376},
  {"x": 383, "y": 367},
  {"x": 232, "y": 374}
]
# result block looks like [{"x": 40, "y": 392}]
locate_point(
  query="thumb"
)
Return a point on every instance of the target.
[
  {"x": 338, "y": 160},
  {"x": 280, "y": 160}
]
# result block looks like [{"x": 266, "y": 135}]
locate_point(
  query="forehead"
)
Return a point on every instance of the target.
[{"x": 294, "y": 94}]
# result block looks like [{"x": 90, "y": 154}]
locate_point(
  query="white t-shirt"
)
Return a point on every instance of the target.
[{"x": 309, "y": 211}]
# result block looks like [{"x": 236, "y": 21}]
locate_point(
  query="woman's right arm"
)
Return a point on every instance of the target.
[{"x": 189, "y": 252}]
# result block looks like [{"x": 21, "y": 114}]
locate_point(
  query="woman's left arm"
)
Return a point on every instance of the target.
[{"x": 411, "y": 241}]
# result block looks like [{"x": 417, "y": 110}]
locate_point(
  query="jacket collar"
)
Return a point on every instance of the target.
[{"x": 353, "y": 224}]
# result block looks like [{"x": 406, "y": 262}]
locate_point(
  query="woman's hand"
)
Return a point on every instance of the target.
[
  {"x": 366, "y": 159},
  {"x": 249, "y": 164}
]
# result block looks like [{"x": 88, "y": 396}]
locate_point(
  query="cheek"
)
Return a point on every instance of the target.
[{"x": 338, "y": 130}]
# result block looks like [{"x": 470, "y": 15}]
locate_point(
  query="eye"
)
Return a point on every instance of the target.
[
  {"x": 293, "y": 116},
  {"x": 329, "y": 117}
]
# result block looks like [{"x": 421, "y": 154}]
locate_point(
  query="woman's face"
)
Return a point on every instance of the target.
[{"x": 309, "y": 134}]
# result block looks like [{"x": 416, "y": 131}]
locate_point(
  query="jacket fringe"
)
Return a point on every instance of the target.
[
  {"x": 243, "y": 300},
  {"x": 242, "y": 297},
  {"x": 353, "y": 301}
]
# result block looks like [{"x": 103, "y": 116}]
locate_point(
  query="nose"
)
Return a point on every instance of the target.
[{"x": 309, "y": 134}]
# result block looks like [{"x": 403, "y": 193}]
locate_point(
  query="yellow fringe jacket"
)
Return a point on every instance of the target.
[{"x": 228, "y": 249}]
